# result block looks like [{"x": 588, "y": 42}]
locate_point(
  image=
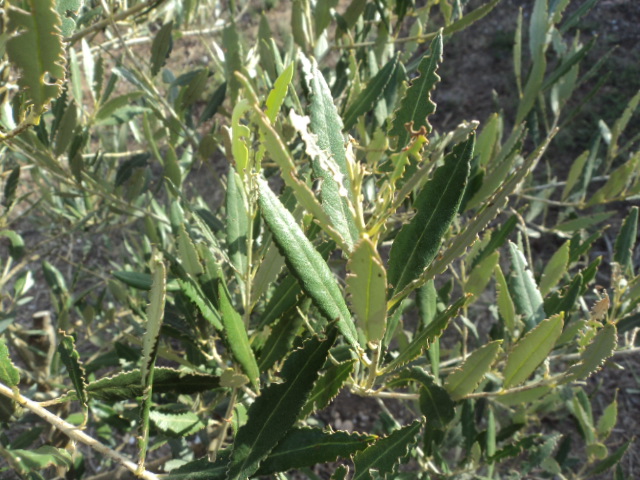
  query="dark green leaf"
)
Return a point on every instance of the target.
[
  {"x": 626, "y": 240},
  {"x": 71, "y": 359},
  {"x": 437, "y": 204},
  {"x": 10, "y": 187},
  {"x": 161, "y": 47},
  {"x": 327, "y": 387}
]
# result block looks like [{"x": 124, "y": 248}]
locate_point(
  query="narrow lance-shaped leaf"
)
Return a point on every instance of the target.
[
  {"x": 237, "y": 338},
  {"x": 187, "y": 252},
  {"x": 437, "y": 204},
  {"x": 626, "y": 240},
  {"x": 592, "y": 358},
  {"x": 306, "y": 263},
  {"x": 506, "y": 308},
  {"x": 327, "y": 387},
  {"x": 524, "y": 291},
  {"x": 278, "y": 407},
  {"x": 367, "y": 284},
  {"x": 279, "y": 92},
  {"x": 531, "y": 350},
  {"x": 555, "y": 269},
  {"x": 237, "y": 223},
  {"x": 384, "y": 455},
  {"x": 71, "y": 359},
  {"x": 416, "y": 105},
  {"x": 468, "y": 376},
  {"x": 161, "y": 47},
  {"x": 335, "y": 190},
  {"x": 37, "y": 31},
  {"x": 368, "y": 98},
  {"x": 177, "y": 424}
]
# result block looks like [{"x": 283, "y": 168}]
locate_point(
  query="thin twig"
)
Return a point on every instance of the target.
[{"x": 74, "y": 433}]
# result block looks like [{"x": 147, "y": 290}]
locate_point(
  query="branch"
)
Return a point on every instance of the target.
[{"x": 74, "y": 433}]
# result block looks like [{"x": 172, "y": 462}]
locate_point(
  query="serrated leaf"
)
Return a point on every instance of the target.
[
  {"x": 187, "y": 253},
  {"x": 306, "y": 263},
  {"x": 367, "y": 285},
  {"x": 416, "y": 104},
  {"x": 161, "y": 47},
  {"x": 176, "y": 424},
  {"x": 128, "y": 385},
  {"x": 335, "y": 189},
  {"x": 327, "y": 387},
  {"x": 506, "y": 308},
  {"x": 524, "y": 291},
  {"x": 37, "y": 31},
  {"x": 525, "y": 396},
  {"x": 385, "y": 454},
  {"x": 418, "y": 242},
  {"x": 428, "y": 334},
  {"x": 237, "y": 223},
  {"x": 531, "y": 350},
  {"x": 278, "y": 407},
  {"x": 9, "y": 374},
  {"x": 626, "y": 240},
  {"x": 435, "y": 403},
  {"x": 237, "y": 338},
  {"x": 555, "y": 269},
  {"x": 155, "y": 316},
  {"x": 592, "y": 358},
  {"x": 71, "y": 359},
  {"x": 466, "y": 378},
  {"x": 280, "y": 341},
  {"x": 374, "y": 90},
  {"x": 617, "y": 181},
  {"x": 481, "y": 274}
]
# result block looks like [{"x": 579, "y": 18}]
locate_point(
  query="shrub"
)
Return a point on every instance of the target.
[{"x": 346, "y": 245}]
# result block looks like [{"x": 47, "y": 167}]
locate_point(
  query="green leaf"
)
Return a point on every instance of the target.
[
  {"x": 16, "y": 247},
  {"x": 278, "y": 93},
  {"x": 29, "y": 461},
  {"x": 9, "y": 374},
  {"x": 385, "y": 454},
  {"x": 280, "y": 340},
  {"x": 71, "y": 359},
  {"x": 128, "y": 385},
  {"x": 37, "y": 31},
  {"x": 10, "y": 187},
  {"x": 306, "y": 263},
  {"x": 582, "y": 222},
  {"x": 335, "y": 189},
  {"x": 466, "y": 378},
  {"x": 237, "y": 338},
  {"x": 418, "y": 242},
  {"x": 187, "y": 253},
  {"x": 518, "y": 398},
  {"x": 470, "y": 18},
  {"x": 427, "y": 335},
  {"x": 161, "y": 47},
  {"x": 416, "y": 105},
  {"x": 607, "y": 420},
  {"x": 555, "y": 269},
  {"x": 367, "y": 285},
  {"x": 368, "y": 98},
  {"x": 498, "y": 237},
  {"x": 327, "y": 387},
  {"x": 592, "y": 358},
  {"x": 617, "y": 182},
  {"x": 233, "y": 58},
  {"x": 68, "y": 9},
  {"x": 576, "y": 170},
  {"x": 626, "y": 241},
  {"x": 531, "y": 350},
  {"x": 155, "y": 315},
  {"x": 532, "y": 88},
  {"x": 611, "y": 460},
  {"x": 111, "y": 107},
  {"x": 237, "y": 223},
  {"x": 176, "y": 424},
  {"x": 278, "y": 407},
  {"x": 524, "y": 291},
  {"x": 481, "y": 274}
]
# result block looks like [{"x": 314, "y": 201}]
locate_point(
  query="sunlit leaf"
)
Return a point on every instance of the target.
[{"x": 466, "y": 378}]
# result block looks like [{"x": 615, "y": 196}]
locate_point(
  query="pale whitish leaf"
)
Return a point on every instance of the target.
[
  {"x": 327, "y": 126},
  {"x": 466, "y": 378},
  {"x": 237, "y": 223},
  {"x": 36, "y": 31},
  {"x": 626, "y": 241},
  {"x": 237, "y": 338},
  {"x": 367, "y": 285},
  {"x": 71, "y": 359},
  {"x": 155, "y": 315},
  {"x": 481, "y": 274},
  {"x": 592, "y": 358},
  {"x": 531, "y": 350},
  {"x": 418, "y": 242},
  {"x": 524, "y": 291},
  {"x": 29, "y": 461},
  {"x": 278, "y": 407},
  {"x": 187, "y": 253},
  {"x": 555, "y": 269},
  {"x": 416, "y": 105},
  {"x": 279, "y": 92},
  {"x": 9, "y": 374},
  {"x": 385, "y": 454},
  {"x": 176, "y": 424},
  {"x": 306, "y": 263}
]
